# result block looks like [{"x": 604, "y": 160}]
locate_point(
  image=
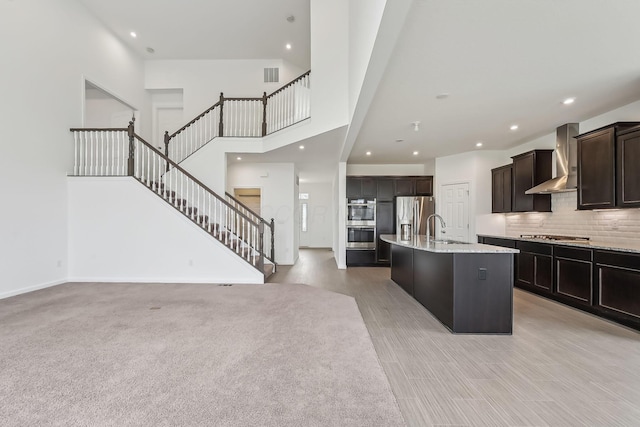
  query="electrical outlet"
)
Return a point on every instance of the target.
[
  {"x": 614, "y": 224},
  {"x": 190, "y": 263},
  {"x": 482, "y": 274}
]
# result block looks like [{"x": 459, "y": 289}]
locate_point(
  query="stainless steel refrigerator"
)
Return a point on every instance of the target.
[{"x": 415, "y": 210}]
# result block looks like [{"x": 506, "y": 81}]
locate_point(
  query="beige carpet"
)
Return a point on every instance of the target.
[{"x": 189, "y": 355}]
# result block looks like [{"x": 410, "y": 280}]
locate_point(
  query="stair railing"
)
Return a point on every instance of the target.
[
  {"x": 269, "y": 227},
  {"x": 121, "y": 152},
  {"x": 243, "y": 117}
]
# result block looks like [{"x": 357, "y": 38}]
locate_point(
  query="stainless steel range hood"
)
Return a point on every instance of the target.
[{"x": 566, "y": 163}]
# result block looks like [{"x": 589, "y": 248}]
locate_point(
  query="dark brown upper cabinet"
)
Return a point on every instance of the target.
[
  {"x": 501, "y": 179},
  {"x": 597, "y": 166},
  {"x": 530, "y": 169},
  {"x": 405, "y": 187},
  {"x": 386, "y": 189},
  {"x": 361, "y": 188},
  {"x": 627, "y": 170},
  {"x": 424, "y": 186}
]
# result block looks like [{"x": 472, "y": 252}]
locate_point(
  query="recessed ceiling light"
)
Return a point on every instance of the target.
[
  {"x": 479, "y": 144},
  {"x": 415, "y": 153},
  {"x": 291, "y": 18},
  {"x": 133, "y": 34},
  {"x": 151, "y": 50},
  {"x": 442, "y": 96},
  {"x": 399, "y": 140},
  {"x": 288, "y": 45},
  {"x": 514, "y": 127},
  {"x": 368, "y": 153},
  {"x": 569, "y": 101},
  {"x": 238, "y": 158},
  {"x": 301, "y": 147}
]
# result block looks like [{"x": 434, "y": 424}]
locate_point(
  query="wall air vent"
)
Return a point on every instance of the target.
[{"x": 271, "y": 75}]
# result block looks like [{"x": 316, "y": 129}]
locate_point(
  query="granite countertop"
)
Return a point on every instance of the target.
[
  {"x": 620, "y": 247},
  {"x": 421, "y": 243}
]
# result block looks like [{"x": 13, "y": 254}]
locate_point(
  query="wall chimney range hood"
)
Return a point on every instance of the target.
[{"x": 566, "y": 163}]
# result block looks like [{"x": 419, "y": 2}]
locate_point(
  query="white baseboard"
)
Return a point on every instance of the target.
[{"x": 31, "y": 288}]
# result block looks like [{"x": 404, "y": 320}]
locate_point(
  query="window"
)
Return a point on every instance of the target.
[{"x": 303, "y": 216}]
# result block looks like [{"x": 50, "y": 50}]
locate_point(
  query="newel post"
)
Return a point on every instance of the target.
[
  {"x": 221, "y": 125},
  {"x": 166, "y": 146},
  {"x": 273, "y": 233},
  {"x": 131, "y": 133},
  {"x": 261, "y": 244},
  {"x": 264, "y": 114}
]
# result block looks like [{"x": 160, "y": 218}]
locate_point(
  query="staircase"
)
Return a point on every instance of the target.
[
  {"x": 243, "y": 118},
  {"x": 121, "y": 152}
]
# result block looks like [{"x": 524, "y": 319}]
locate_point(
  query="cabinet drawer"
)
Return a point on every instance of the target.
[
  {"x": 361, "y": 257},
  {"x": 536, "y": 248},
  {"x": 505, "y": 243},
  {"x": 573, "y": 253}
]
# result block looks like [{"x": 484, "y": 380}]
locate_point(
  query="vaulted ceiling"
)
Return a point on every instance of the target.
[{"x": 467, "y": 70}]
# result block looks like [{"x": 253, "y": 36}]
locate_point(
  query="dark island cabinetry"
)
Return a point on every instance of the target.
[
  {"x": 601, "y": 174},
  {"x": 530, "y": 169}
]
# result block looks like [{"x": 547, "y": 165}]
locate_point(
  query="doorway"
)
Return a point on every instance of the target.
[
  {"x": 455, "y": 210},
  {"x": 250, "y": 197}
]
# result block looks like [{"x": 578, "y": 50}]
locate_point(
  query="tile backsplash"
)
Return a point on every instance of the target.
[{"x": 607, "y": 226}]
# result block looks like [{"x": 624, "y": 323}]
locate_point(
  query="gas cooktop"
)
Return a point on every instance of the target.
[{"x": 553, "y": 238}]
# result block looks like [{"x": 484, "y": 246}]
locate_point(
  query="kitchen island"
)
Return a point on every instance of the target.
[{"x": 468, "y": 287}]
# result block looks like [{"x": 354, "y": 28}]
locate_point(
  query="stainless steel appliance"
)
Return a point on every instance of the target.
[
  {"x": 361, "y": 224},
  {"x": 415, "y": 210}
]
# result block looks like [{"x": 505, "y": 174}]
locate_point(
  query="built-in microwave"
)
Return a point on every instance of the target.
[{"x": 361, "y": 237}]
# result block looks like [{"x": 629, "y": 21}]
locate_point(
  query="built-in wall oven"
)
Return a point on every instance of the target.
[{"x": 361, "y": 224}]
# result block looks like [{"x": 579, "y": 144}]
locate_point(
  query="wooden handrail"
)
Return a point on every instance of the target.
[
  {"x": 246, "y": 207},
  {"x": 290, "y": 83},
  {"x": 176, "y": 166},
  {"x": 194, "y": 120},
  {"x": 98, "y": 129},
  {"x": 242, "y": 99}
]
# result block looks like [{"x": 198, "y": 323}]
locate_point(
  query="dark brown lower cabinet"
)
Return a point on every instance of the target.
[
  {"x": 574, "y": 273},
  {"x": 358, "y": 257},
  {"x": 534, "y": 266},
  {"x": 619, "y": 285}
]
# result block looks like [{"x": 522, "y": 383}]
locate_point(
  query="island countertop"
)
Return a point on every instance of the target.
[{"x": 421, "y": 243}]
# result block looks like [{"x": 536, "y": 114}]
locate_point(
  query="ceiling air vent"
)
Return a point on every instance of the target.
[{"x": 271, "y": 75}]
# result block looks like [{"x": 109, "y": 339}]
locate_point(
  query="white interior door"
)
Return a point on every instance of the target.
[{"x": 454, "y": 208}]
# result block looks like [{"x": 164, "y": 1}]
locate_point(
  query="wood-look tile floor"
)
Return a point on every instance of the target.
[{"x": 561, "y": 367}]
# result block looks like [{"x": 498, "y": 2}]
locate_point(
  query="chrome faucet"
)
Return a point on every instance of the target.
[{"x": 442, "y": 225}]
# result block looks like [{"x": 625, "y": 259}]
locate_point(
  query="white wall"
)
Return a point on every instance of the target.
[
  {"x": 48, "y": 47},
  {"x": 278, "y": 198},
  {"x": 203, "y": 80},
  {"x": 119, "y": 231},
  {"x": 106, "y": 113},
  {"x": 386, "y": 169},
  {"x": 320, "y": 214},
  {"x": 474, "y": 168},
  {"x": 364, "y": 21}
]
